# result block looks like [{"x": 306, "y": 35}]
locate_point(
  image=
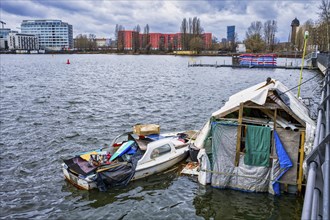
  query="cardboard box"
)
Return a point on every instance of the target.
[{"x": 146, "y": 129}]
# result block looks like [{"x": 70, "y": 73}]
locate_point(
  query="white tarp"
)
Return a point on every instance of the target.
[
  {"x": 258, "y": 94},
  {"x": 225, "y": 174},
  {"x": 204, "y": 177}
]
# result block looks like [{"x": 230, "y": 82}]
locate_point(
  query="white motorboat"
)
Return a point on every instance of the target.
[{"x": 135, "y": 158}]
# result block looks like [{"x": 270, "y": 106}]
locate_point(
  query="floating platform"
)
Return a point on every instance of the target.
[{"x": 252, "y": 66}]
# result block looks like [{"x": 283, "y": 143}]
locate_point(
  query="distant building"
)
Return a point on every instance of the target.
[
  {"x": 128, "y": 40},
  {"x": 223, "y": 40},
  {"x": 157, "y": 41},
  {"x": 22, "y": 42},
  {"x": 132, "y": 40},
  {"x": 52, "y": 34},
  {"x": 231, "y": 33},
  {"x": 294, "y": 28},
  {"x": 240, "y": 48},
  {"x": 207, "y": 41},
  {"x": 4, "y": 32},
  {"x": 102, "y": 42}
]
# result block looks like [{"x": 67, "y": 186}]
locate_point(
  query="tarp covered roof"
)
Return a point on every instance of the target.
[{"x": 258, "y": 94}]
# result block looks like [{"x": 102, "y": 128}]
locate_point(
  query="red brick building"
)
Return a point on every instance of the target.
[
  {"x": 207, "y": 40},
  {"x": 132, "y": 40}
]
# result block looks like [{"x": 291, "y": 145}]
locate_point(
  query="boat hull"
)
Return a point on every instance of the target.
[{"x": 142, "y": 171}]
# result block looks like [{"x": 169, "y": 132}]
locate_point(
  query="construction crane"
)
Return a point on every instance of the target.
[{"x": 2, "y": 24}]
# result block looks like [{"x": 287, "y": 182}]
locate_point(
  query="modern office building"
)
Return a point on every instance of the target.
[
  {"x": 22, "y": 42},
  {"x": 52, "y": 34},
  {"x": 231, "y": 33}
]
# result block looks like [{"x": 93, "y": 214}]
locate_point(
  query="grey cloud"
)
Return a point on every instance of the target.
[
  {"x": 22, "y": 8},
  {"x": 70, "y": 6}
]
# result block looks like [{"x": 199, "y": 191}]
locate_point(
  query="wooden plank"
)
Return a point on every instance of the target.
[
  {"x": 273, "y": 139},
  {"x": 264, "y": 106},
  {"x": 223, "y": 114},
  {"x": 239, "y": 133},
  {"x": 290, "y": 140},
  {"x": 301, "y": 160}
]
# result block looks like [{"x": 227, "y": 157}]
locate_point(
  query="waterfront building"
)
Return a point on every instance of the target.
[
  {"x": 128, "y": 40},
  {"x": 231, "y": 33},
  {"x": 22, "y": 42},
  {"x": 157, "y": 41},
  {"x": 102, "y": 42},
  {"x": 294, "y": 28},
  {"x": 170, "y": 41},
  {"x": 132, "y": 40},
  {"x": 4, "y": 32},
  {"x": 207, "y": 40},
  {"x": 52, "y": 34},
  {"x": 240, "y": 48}
]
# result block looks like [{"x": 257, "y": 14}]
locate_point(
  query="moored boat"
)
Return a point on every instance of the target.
[{"x": 131, "y": 156}]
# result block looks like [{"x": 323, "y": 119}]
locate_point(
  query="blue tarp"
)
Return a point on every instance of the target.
[{"x": 284, "y": 160}]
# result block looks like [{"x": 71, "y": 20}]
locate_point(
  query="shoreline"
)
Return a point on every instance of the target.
[{"x": 210, "y": 54}]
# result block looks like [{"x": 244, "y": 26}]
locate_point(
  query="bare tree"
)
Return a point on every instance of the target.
[
  {"x": 119, "y": 27},
  {"x": 325, "y": 19},
  {"x": 270, "y": 28},
  {"x": 146, "y": 38},
  {"x": 196, "y": 44},
  {"x": 119, "y": 37},
  {"x": 81, "y": 42},
  {"x": 254, "y": 41},
  {"x": 184, "y": 31},
  {"x": 190, "y": 29},
  {"x": 137, "y": 28}
]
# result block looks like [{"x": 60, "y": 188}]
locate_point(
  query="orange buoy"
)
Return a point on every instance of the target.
[{"x": 68, "y": 61}]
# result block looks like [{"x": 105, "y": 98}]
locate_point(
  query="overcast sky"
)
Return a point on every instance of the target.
[{"x": 100, "y": 17}]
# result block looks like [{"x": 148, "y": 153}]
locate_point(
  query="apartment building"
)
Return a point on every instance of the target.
[{"x": 52, "y": 34}]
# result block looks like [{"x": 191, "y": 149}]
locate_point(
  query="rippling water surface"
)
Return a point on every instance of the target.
[{"x": 49, "y": 110}]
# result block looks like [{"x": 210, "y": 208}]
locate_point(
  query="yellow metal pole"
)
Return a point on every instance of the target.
[
  {"x": 302, "y": 62},
  {"x": 301, "y": 161}
]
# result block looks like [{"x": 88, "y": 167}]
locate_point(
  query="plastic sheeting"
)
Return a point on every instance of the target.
[
  {"x": 280, "y": 165},
  {"x": 204, "y": 177},
  {"x": 117, "y": 175},
  {"x": 224, "y": 172},
  {"x": 258, "y": 94}
]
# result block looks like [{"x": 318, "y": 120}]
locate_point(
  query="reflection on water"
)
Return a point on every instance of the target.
[
  {"x": 227, "y": 204},
  {"x": 51, "y": 110}
]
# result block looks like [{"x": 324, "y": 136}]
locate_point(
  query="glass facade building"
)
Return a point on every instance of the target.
[
  {"x": 52, "y": 34},
  {"x": 231, "y": 33}
]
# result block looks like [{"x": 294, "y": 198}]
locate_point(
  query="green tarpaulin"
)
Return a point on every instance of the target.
[{"x": 257, "y": 146}]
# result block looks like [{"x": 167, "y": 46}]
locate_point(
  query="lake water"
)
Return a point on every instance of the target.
[{"x": 49, "y": 110}]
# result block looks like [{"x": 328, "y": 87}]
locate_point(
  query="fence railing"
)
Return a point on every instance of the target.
[
  {"x": 316, "y": 202},
  {"x": 311, "y": 56}
]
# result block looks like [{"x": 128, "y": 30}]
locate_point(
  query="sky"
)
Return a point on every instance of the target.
[{"x": 100, "y": 17}]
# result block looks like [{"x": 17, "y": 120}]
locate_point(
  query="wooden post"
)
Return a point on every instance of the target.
[
  {"x": 301, "y": 160},
  {"x": 239, "y": 133},
  {"x": 274, "y": 129}
]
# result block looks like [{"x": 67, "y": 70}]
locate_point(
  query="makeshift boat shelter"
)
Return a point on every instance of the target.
[{"x": 257, "y": 141}]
